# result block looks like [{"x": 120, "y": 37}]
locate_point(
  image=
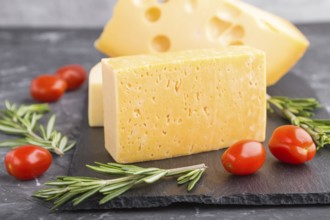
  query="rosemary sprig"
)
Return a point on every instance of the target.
[
  {"x": 78, "y": 189},
  {"x": 23, "y": 121},
  {"x": 299, "y": 113}
]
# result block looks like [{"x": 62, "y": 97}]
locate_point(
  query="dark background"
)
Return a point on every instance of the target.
[{"x": 94, "y": 13}]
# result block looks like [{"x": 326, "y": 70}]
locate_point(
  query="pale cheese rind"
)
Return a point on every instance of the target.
[{"x": 174, "y": 104}]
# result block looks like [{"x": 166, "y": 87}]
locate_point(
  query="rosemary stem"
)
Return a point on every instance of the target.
[
  {"x": 119, "y": 180},
  {"x": 35, "y": 135},
  {"x": 57, "y": 151},
  {"x": 55, "y": 148},
  {"x": 290, "y": 116},
  {"x": 78, "y": 189},
  {"x": 176, "y": 171}
]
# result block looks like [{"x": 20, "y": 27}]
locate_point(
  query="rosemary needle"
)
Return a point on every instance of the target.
[
  {"x": 23, "y": 121},
  {"x": 78, "y": 189}
]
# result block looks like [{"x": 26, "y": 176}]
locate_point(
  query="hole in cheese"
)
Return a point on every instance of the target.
[
  {"x": 206, "y": 110},
  {"x": 236, "y": 32},
  {"x": 216, "y": 27},
  {"x": 161, "y": 43},
  {"x": 197, "y": 96},
  {"x": 168, "y": 83},
  {"x": 177, "y": 85},
  {"x": 168, "y": 119},
  {"x": 136, "y": 113},
  {"x": 153, "y": 14},
  {"x": 189, "y": 112}
]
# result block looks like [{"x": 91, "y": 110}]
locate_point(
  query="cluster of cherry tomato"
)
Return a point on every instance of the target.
[
  {"x": 51, "y": 87},
  {"x": 289, "y": 144},
  {"x": 28, "y": 162}
]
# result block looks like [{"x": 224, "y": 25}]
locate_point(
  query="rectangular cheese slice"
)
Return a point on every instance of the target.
[
  {"x": 182, "y": 103},
  {"x": 162, "y": 26},
  {"x": 95, "y": 96}
]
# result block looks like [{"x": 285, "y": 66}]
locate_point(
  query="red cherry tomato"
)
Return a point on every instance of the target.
[
  {"x": 244, "y": 157},
  {"x": 27, "y": 162},
  {"x": 47, "y": 88},
  {"x": 75, "y": 75},
  {"x": 292, "y": 144}
]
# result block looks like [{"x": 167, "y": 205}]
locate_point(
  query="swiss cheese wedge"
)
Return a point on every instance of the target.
[
  {"x": 153, "y": 26},
  {"x": 181, "y": 103}
]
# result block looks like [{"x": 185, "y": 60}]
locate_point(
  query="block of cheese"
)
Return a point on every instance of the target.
[
  {"x": 95, "y": 96},
  {"x": 182, "y": 103},
  {"x": 153, "y": 26}
]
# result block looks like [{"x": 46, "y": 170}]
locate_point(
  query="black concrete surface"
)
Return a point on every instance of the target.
[{"x": 28, "y": 53}]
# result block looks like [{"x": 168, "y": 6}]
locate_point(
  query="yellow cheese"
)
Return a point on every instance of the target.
[
  {"x": 181, "y": 103},
  {"x": 95, "y": 96},
  {"x": 153, "y": 26}
]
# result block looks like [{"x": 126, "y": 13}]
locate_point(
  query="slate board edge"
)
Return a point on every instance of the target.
[{"x": 242, "y": 200}]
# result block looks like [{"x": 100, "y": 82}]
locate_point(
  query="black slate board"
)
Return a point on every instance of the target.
[{"x": 274, "y": 184}]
